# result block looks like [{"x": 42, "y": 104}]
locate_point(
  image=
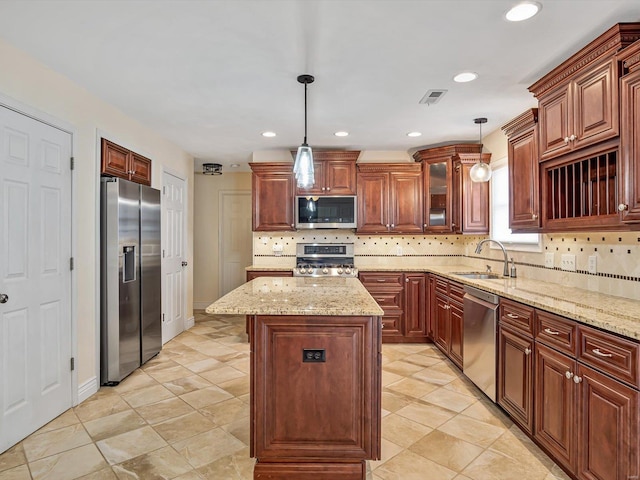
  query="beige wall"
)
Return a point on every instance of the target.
[
  {"x": 206, "y": 231},
  {"x": 39, "y": 88}
]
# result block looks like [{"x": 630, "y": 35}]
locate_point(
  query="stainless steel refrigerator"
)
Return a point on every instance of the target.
[{"x": 130, "y": 286}]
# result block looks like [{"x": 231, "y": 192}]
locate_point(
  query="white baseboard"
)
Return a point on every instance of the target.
[
  {"x": 189, "y": 322},
  {"x": 201, "y": 305},
  {"x": 87, "y": 389}
]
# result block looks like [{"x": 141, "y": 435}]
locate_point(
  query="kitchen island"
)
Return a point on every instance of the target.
[{"x": 315, "y": 375}]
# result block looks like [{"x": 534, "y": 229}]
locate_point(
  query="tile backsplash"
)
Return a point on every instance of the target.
[{"x": 617, "y": 255}]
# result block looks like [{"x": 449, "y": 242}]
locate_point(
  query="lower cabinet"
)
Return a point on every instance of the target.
[
  {"x": 515, "y": 376},
  {"x": 403, "y": 297},
  {"x": 448, "y": 318},
  {"x": 574, "y": 389}
]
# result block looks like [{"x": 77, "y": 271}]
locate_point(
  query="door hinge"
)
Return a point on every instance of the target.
[
  {"x": 163, "y": 317},
  {"x": 164, "y": 190},
  {"x": 71, "y": 263},
  {"x": 72, "y": 162},
  {"x": 73, "y": 364},
  {"x": 163, "y": 253}
]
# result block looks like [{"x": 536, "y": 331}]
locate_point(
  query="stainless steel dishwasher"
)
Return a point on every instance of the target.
[{"x": 479, "y": 339}]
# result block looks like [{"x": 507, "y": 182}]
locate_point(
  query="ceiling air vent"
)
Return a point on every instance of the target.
[{"x": 432, "y": 97}]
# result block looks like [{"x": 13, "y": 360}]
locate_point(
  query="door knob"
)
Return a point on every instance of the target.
[
  {"x": 4, "y": 298},
  {"x": 184, "y": 264}
]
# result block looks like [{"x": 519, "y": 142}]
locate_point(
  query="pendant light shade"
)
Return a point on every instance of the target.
[
  {"x": 480, "y": 172},
  {"x": 303, "y": 166}
]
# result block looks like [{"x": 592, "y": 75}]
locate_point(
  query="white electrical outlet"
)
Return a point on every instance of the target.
[
  {"x": 277, "y": 249},
  {"x": 592, "y": 266},
  {"x": 399, "y": 250},
  {"x": 548, "y": 260},
  {"x": 568, "y": 262}
]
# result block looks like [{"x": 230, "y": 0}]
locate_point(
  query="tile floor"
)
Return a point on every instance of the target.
[{"x": 185, "y": 415}]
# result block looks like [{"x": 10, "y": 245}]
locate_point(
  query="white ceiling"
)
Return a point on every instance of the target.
[{"x": 211, "y": 75}]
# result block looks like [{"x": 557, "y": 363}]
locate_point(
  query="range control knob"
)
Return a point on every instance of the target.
[
  {"x": 340, "y": 270},
  {"x": 347, "y": 270},
  {"x": 325, "y": 270}
]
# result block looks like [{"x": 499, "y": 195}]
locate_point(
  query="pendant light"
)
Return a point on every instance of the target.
[
  {"x": 303, "y": 166},
  {"x": 480, "y": 172}
]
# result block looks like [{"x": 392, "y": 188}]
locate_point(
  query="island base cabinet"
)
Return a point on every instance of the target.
[
  {"x": 317, "y": 471},
  {"x": 315, "y": 396}
]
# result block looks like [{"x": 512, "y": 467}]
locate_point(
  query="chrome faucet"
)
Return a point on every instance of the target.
[{"x": 505, "y": 271}]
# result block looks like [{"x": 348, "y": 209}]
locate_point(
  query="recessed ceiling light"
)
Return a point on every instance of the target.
[
  {"x": 465, "y": 77},
  {"x": 523, "y": 11},
  {"x": 269, "y": 134},
  {"x": 234, "y": 165},
  {"x": 414, "y": 134},
  {"x": 341, "y": 134}
]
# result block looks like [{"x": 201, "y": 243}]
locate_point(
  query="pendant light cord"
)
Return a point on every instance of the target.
[{"x": 305, "y": 113}]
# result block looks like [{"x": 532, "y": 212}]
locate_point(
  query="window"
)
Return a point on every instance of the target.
[{"x": 500, "y": 213}]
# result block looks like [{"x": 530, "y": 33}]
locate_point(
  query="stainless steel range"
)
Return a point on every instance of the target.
[{"x": 324, "y": 260}]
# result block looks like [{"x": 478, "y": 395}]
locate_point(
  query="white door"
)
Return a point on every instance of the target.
[
  {"x": 173, "y": 256},
  {"x": 236, "y": 246},
  {"x": 35, "y": 277}
]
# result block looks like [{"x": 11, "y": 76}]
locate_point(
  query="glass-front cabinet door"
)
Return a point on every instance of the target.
[{"x": 438, "y": 195}]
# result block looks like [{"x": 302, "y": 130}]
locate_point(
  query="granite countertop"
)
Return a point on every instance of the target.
[
  {"x": 298, "y": 296},
  {"x": 614, "y": 314}
]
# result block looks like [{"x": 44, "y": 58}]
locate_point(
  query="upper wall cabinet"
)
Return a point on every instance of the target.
[
  {"x": 453, "y": 203},
  {"x": 578, "y": 100},
  {"x": 524, "y": 186},
  {"x": 629, "y": 205},
  {"x": 120, "y": 162},
  {"x": 389, "y": 198},
  {"x": 334, "y": 172},
  {"x": 272, "y": 196}
]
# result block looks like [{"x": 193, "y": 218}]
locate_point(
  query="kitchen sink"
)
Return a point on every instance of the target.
[{"x": 478, "y": 275}]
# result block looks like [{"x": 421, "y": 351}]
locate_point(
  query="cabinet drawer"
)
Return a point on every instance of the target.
[
  {"x": 456, "y": 291},
  {"x": 517, "y": 315},
  {"x": 614, "y": 355},
  {"x": 374, "y": 278},
  {"x": 391, "y": 325},
  {"x": 557, "y": 332},
  {"x": 388, "y": 299}
]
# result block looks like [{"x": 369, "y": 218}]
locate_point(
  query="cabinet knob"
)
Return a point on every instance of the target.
[
  {"x": 393, "y": 225},
  {"x": 328, "y": 188},
  {"x": 406, "y": 280},
  {"x": 381, "y": 325},
  {"x": 387, "y": 225},
  {"x": 323, "y": 189},
  {"x": 534, "y": 216},
  {"x": 577, "y": 379},
  {"x": 568, "y": 374},
  {"x": 292, "y": 225},
  {"x": 566, "y": 139},
  {"x": 622, "y": 207},
  {"x": 424, "y": 226},
  {"x": 527, "y": 351},
  {"x": 572, "y": 137}
]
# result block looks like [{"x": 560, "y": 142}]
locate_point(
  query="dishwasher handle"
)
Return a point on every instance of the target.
[{"x": 482, "y": 295}]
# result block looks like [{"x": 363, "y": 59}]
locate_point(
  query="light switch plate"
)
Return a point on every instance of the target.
[
  {"x": 568, "y": 262},
  {"x": 592, "y": 266},
  {"x": 548, "y": 260}
]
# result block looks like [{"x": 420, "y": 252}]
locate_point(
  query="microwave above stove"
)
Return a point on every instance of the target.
[{"x": 326, "y": 212}]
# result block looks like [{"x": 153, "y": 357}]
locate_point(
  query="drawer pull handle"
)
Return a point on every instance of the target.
[
  {"x": 379, "y": 300},
  {"x": 511, "y": 315},
  {"x": 381, "y": 280},
  {"x": 601, "y": 354},
  {"x": 551, "y": 332},
  {"x": 568, "y": 374}
]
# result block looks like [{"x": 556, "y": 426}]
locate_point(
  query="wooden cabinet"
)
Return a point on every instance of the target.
[
  {"x": 272, "y": 197},
  {"x": 453, "y": 203},
  {"x": 580, "y": 112},
  {"x": 390, "y": 198},
  {"x": 629, "y": 203},
  {"x": 448, "y": 321},
  {"x": 334, "y": 172},
  {"x": 516, "y": 362},
  {"x": 403, "y": 297},
  {"x": 579, "y": 399},
  {"x": 524, "y": 174},
  {"x": 121, "y": 162},
  {"x": 315, "y": 419}
]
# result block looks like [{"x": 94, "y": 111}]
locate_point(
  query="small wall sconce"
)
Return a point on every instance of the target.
[{"x": 211, "y": 169}]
